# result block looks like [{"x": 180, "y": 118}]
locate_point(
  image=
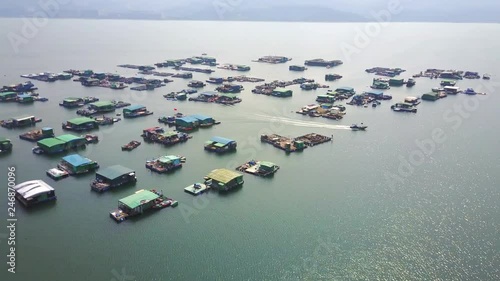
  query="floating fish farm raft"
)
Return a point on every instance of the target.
[
  {"x": 273, "y": 59},
  {"x": 295, "y": 144},
  {"x": 385, "y": 71}
]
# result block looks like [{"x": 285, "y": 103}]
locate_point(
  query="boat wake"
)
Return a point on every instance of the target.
[{"x": 298, "y": 123}]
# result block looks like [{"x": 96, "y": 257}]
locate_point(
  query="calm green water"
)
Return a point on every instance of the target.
[{"x": 347, "y": 210}]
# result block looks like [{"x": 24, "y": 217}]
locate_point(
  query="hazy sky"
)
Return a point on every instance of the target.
[{"x": 449, "y": 10}]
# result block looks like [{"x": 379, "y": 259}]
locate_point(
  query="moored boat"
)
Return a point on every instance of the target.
[
  {"x": 356, "y": 127},
  {"x": 131, "y": 145}
]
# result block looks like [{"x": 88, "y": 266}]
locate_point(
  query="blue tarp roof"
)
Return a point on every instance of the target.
[
  {"x": 24, "y": 95},
  {"x": 134, "y": 107},
  {"x": 221, "y": 140},
  {"x": 188, "y": 119},
  {"x": 76, "y": 160},
  {"x": 201, "y": 117}
]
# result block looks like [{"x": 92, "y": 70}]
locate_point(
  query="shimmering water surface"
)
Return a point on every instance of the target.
[{"x": 368, "y": 206}]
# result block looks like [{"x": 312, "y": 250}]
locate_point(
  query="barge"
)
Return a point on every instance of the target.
[
  {"x": 273, "y": 59},
  {"x": 196, "y": 189},
  {"x": 140, "y": 202},
  {"x": 259, "y": 168},
  {"x": 34, "y": 192},
  {"x": 235, "y": 67},
  {"x": 111, "y": 177},
  {"x": 283, "y": 143},
  {"x": 131, "y": 145},
  {"x": 165, "y": 164},
  {"x": 57, "y": 174},
  {"x": 332, "y": 77},
  {"x": 20, "y": 122},
  {"x": 19, "y": 88},
  {"x": 323, "y": 63},
  {"x": 38, "y": 134},
  {"x": 196, "y": 84},
  {"x": 297, "y": 68},
  {"x": 404, "y": 107}
]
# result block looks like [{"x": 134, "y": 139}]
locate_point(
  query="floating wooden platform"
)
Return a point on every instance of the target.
[{"x": 196, "y": 190}]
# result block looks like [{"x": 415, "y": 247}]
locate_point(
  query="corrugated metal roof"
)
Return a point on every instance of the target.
[
  {"x": 76, "y": 160},
  {"x": 223, "y": 175},
  {"x": 102, "y": 103},
  {"x": 201, "y": 117},
  {"x": 188, "y": 119},
  {"x": 68, "y": 138},
  {"x": 32, "y": 188},
  {"x": 267, "y": 164},
  {"x": 50, "y": 142},
  {"x": 81, "y": 120},
  {"x": 168, "y": 158},
  {"x": 140, "y": 197},
  {"x": 134, "y": 107},
  {"x": 114, "y": 172},
  {"x": 221, "y": 140}
]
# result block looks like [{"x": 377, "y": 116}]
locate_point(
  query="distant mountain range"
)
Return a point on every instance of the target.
[{"x": 261, "y": 10}]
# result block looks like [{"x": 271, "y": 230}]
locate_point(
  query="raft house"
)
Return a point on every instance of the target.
[
  {"x": 24, "y": 98},
  {"x": 111, "y": 177},
  {"x": 133, "y": 111},
  {"x": 8, "y": 96},
  {"x": 259, "y": 168},
  {"x": 80, "y": 124},
  {"x": 140, "y": 202},
  {"x": 282, "y": 93},
  {"x": 228, "y": 99},
  {"x": 19, "y": 122},
  {"x": 431, "y": 96},
  {"x": 187, "y": 123},
  {"x": 37, "y": 135},
  {"x": 76, "y": 164},
  {"x": 164, "y": 164},
  {"x": 102, "y": 106},
  {"x": 224, "y": 179},
  {"x": 220, "y": 145},
  {"x": 33, "y": 192},
  {"x": 325, "y": 99},
  {"x": 72, "y": 102},
  {"x": 204, "y": 121},
  {"x": 5, "y": 145},
  {"x": 396, "y": 82},
  {"x": 450, "y": 90},
  {"x": 59, "y": 144}
]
